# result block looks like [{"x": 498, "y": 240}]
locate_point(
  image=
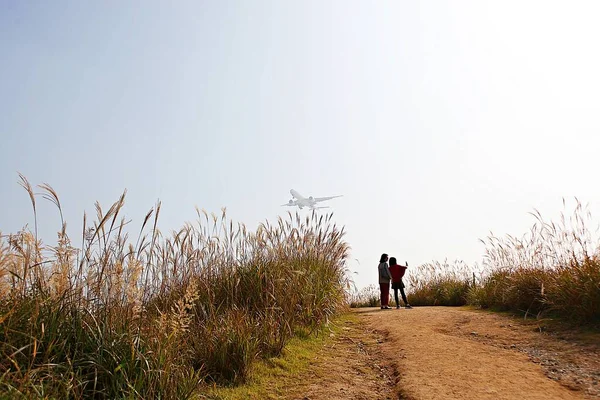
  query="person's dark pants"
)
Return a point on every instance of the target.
[
  {"x": 399, "y": 286},
  {"x": 385, "y": 294}
]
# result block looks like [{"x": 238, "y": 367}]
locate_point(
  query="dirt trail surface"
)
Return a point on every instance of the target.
[
  {"x": 456, "y": 353},
  {"x": 351, "y": 366}
]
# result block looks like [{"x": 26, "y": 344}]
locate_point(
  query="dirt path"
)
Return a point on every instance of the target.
[
  {"x": 454, "y": 353},
  {"x": 351, "y": 366}
]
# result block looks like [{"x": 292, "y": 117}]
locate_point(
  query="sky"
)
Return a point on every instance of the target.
[{"x": 438, "y": 121}]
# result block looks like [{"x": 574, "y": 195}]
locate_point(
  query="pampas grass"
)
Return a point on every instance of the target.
[
  {"x": 440, "y": 284},
  {"x": 164, "y": 314},
  {"x": 554, "y": 268}
]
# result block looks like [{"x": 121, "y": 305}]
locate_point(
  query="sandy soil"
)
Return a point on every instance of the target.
[{"x": 456, "y": 353}]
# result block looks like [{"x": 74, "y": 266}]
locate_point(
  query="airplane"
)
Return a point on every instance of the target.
[{"x": 310, "y": 202}]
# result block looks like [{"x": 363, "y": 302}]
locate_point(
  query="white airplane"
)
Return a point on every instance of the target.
[{"x": 310, "y": 202}]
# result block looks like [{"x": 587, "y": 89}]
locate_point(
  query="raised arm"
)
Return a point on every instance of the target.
[{"x": 403, "y": 269}]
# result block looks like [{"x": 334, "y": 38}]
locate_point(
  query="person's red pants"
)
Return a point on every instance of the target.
[{"x": 385, "y": 294}]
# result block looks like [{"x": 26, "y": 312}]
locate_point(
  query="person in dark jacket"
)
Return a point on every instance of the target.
[
  {"x": 397, "y": 272},
  {"x": 384, "y": 281}
]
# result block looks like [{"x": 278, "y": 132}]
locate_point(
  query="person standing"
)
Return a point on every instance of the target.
[
  {"x": 397, "y": 272},
  {"x": 384, "y": 281}
]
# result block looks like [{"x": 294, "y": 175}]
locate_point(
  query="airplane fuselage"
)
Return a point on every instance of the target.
[{"x": 302, "y": 201}]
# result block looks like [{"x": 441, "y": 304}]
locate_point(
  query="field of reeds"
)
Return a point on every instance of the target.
[
  {"x": 440, "y": 284},
  {"x": 367, "y": 296},
  {"x": 554, "y": 269},
  {"x": 157, "y": 315}
]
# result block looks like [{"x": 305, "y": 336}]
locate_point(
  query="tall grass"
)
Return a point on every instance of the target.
[
  {"x": 367, "y": 296},
  {"x": 440, "y": 284},
  {"x": 554, "y": 268},
  {"x": 160, "y": 315}
]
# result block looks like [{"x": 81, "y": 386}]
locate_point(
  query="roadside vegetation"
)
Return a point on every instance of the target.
[
  {"x": 440, "y": 284},
  {"x": 554, "y": 269},
  {"x": 368, "y": 296},
  {"x": 274, "y": 377},
  {"x": 159, "y": 315}
]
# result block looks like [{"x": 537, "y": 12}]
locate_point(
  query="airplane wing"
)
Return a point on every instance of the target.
[
  {"x": 289, "y": 205},
  {"x": 325, "y": 198}
]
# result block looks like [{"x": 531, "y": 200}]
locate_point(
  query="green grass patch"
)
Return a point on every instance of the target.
[{"x": 272, "y": 378}]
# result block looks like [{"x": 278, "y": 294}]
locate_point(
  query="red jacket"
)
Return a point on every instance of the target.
[{"x": 397, "y": 272}]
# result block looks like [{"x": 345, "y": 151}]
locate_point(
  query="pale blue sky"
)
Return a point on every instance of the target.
[{"x": 438, "y": 121}]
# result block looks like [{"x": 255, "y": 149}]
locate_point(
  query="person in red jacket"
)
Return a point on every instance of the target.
[{"x": 397, "y": 272}]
